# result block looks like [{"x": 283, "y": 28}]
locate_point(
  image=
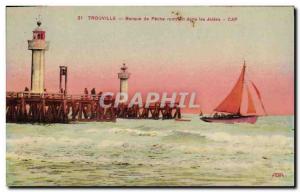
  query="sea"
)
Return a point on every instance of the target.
[{"x": 152, "y": 153}]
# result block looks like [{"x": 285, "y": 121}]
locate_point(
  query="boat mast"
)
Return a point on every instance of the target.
[{"x": 243, "y": 83}]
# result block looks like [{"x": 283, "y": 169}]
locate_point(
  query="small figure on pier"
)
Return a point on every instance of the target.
[
  {"x": 45, "y": 93},
  {"x": 26, "y": 90},
  {"x": 86, "y": 92},
  {"x": 93, "y": 93},
  {"x": 99, "y": 94},
  {"x": 61, "y": 90}
]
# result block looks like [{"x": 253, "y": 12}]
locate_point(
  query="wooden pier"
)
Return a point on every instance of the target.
[{"x": 23, "y": 107}]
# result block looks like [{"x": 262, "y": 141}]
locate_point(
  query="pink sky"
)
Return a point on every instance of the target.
[{"x": 206, "y": 59}]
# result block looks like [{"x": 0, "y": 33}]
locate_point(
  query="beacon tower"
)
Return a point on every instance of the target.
[
  {"x": 123, "y": 76},
  {"x": 38, "y": 45}
]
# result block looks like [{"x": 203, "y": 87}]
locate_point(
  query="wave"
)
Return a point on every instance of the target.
[
  {"x": 185, "y": 136},
  {"x": 133, "y": 132},
  {"x": 225, "y": 143}
]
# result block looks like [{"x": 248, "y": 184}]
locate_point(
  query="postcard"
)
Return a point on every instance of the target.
[{"x": 150, "y": 96}]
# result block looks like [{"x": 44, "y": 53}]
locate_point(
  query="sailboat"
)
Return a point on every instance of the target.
[{"x": 229, "y": 110}]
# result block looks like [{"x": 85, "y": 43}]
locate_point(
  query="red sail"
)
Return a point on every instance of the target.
[
  {"x": 251, "y": 107},
  {"x": 258, "y": 94},
  {"x": 232, "y": 103}
]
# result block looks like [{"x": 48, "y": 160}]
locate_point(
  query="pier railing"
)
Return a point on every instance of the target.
[{"x": 27, "y": 94}]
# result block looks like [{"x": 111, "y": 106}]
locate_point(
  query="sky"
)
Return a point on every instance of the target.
[{"x": 162, "y": 56}]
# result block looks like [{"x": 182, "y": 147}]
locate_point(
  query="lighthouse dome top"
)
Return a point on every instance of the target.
[
  {"x": 124, "y": 67},
  {"x": 38, "y": 28}
]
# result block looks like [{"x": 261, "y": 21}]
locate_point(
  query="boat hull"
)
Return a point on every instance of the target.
[{"x": 231, "y": 120}]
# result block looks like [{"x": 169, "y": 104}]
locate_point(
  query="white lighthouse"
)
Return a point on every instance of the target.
[
  {"x": 38, "y": 45},
  {"x": 123, "y": 76}
]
